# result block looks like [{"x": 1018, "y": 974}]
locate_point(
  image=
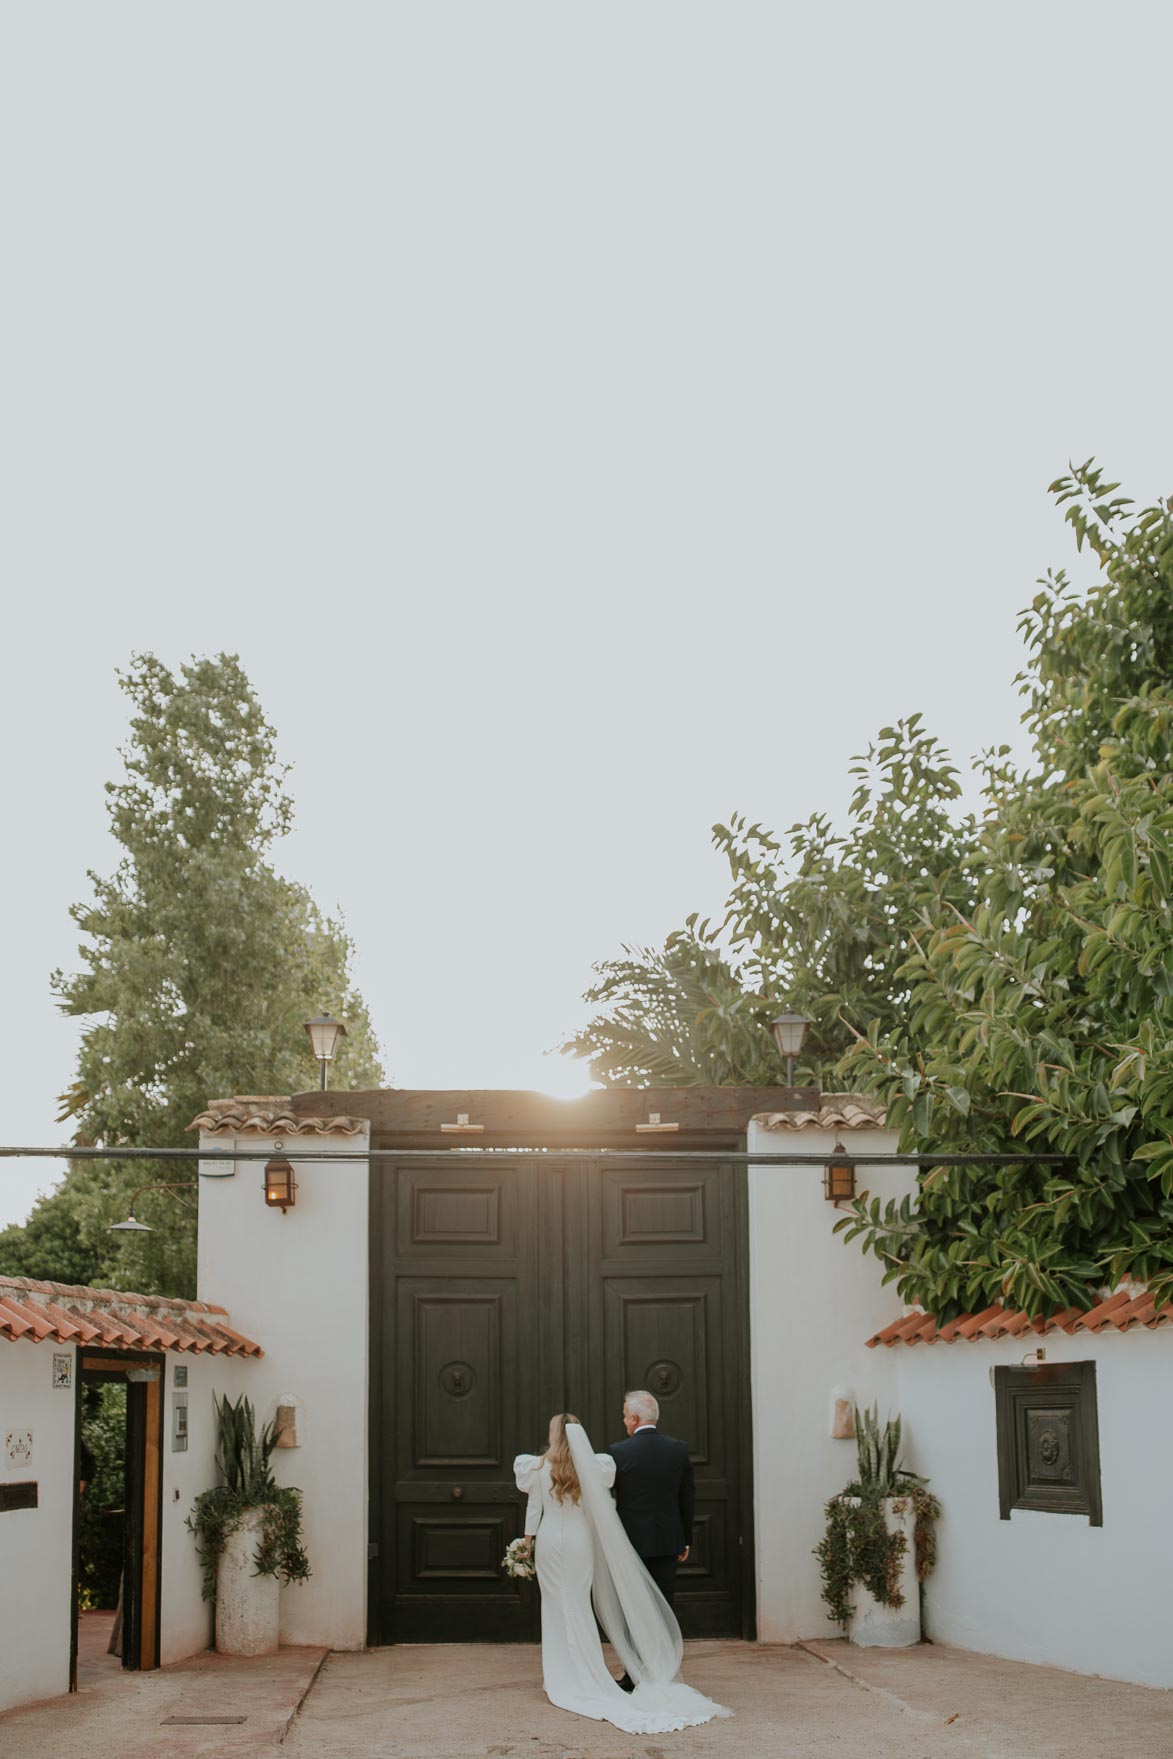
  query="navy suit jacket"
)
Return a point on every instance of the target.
[{"x": 654, "y": 1492}]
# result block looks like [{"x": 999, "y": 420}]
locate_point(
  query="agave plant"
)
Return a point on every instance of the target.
[
  {"x": 878, "y": 1449},
  {"x": 242, "y": 1456}
]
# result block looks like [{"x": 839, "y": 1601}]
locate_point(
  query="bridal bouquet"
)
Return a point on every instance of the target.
[{"x": 518, "y": 1561}]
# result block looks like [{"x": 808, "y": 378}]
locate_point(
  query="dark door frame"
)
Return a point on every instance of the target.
[
  {"x": 717, "y": 1123},
  {"x": 142, "y": 1584}
]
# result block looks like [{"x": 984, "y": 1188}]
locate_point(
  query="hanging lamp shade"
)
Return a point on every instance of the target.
[{"x": 129, "y": 1226}]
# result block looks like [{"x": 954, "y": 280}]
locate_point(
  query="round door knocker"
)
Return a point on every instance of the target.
[
  {"x": 457, "y": 1379},
  {"x": 664, "y": 1379}
]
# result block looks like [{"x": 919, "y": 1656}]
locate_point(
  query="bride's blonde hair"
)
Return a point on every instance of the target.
[{"x": 563, "y": 1477}]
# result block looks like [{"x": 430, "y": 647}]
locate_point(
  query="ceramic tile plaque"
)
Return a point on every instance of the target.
[
  {"x": 18, "y": 1447},
  {"x": 63, "y": 1370}
]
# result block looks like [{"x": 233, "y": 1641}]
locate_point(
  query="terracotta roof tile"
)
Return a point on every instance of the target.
[
  {"x": 268, "y": 1115},
  {"x": 1099, "y": 1316},
  {"x": 835, "y": 1111},
  {"x": 975, "y": 1322},
  {"x": 69, "y": 1312},
  {"x": 1142, "y": 1311},
  {"x": 1120, "y": 1312},
  {"x": 913, "y": 1328}
]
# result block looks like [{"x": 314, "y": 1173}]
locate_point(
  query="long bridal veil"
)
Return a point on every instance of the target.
[{"x": 639, "y": 1622}]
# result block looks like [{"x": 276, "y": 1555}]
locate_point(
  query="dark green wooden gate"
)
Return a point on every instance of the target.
[{"x": 504, "y": 1290}]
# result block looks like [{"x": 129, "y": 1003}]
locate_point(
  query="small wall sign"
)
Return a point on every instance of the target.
[
  {"x": 18, "y": 1496},
  {"x": 63, "y": 1370},
  {"x": 18, "y": 1445},
  {"x": 180, "y": 1374}
]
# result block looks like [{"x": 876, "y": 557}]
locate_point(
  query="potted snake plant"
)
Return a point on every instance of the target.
[
  {"x": 248, "y": 1534},
  {"x": 879, "y": 1543}
]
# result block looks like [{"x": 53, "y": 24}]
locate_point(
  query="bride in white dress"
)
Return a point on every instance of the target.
[{"x": 583, "y": 1556}]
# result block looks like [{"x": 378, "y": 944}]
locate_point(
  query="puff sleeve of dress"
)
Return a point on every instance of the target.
[
  {"x": 526, "y": 1472},
  {"x": 606, "y": 1465}
]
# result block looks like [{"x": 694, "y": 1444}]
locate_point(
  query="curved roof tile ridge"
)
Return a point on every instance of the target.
[
  {"x": 1120, "y": 1310},
  {"x": 269, "y": 1114},
  {"x": 835, "y": 1111}
]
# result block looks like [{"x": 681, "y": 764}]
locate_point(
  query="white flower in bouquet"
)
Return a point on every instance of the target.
[{"x": 518, "y": 1561}]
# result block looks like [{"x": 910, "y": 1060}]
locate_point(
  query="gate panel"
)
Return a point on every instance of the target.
[
  {"x": 456, "y": 1312},
  {"x": 507, "y": 1290},
  {"x": 669, "y": 1289}
]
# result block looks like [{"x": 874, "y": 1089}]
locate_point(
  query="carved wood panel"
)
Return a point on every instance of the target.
[
  {"x": 1048, "y": 1440},
  {"x": 655, "y": 1216},
  {"x": 663, "y": 1339},
  {"x": 453, "y": 1373},
  {"x": 459, "y": 1212}
]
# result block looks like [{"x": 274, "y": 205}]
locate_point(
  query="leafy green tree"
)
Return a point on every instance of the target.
[
  {"x": 199, "y": 966},
  {"x": 820, "y": 922},
  {"x": 676, "y": 1017},
  {"x": 1004, "y": 980},
  {"x": 1042, "y": 1017}
]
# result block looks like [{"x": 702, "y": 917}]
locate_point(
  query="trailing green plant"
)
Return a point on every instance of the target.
[
  {"x": 243, "y": 1461},
  {"x": 857, "y": 1547}
]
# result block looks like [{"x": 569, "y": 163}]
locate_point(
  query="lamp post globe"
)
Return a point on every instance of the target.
[
  {"x": 324, "y": 1034},
  {"x": 789, "y": 1031}
]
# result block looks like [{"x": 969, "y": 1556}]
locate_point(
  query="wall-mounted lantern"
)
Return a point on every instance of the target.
[
  {"x": 325, "y": 1035},
  {"x": 839, "y": 1178},
  {"x": 789, "y": 1031},
  {"x": 280, "y": 1184}
]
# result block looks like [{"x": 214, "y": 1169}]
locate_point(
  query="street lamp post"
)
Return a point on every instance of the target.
[
  {"x": 325, "y": 1033},
  {"x": 789, "y": 1030}
]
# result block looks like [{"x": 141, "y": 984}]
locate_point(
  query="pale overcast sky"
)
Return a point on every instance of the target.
[{"x": 584, "y": 421}]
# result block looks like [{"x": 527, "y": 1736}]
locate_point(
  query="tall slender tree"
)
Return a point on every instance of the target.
[{"x": 199, "y": 965}]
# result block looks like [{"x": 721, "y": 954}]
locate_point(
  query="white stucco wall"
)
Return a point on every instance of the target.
[
  {"x": 297, "y": 1283},
  {"x": 1044, "y": 1587},
  {"x": 36, "y": 1545},
  {"x": 814, "y": 1302},
  {"x": 1040, "y": 1587}
]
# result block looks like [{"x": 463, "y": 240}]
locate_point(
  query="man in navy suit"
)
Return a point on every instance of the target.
[{"x": 654, "y": 1492}]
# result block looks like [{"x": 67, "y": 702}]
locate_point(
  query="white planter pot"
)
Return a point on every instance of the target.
[
  {"x": 874, "y": 1625},
  {"x": 246, "y": 1604}
]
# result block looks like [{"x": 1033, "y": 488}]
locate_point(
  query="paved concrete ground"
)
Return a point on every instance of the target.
[
  {"x": 819, "y": 1701},
  {"x": 124, "y": 1715},
  {"x": 825, "y": 1701}
]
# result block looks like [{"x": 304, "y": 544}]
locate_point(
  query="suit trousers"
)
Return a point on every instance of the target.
[{"x": 662, "y": 1570}]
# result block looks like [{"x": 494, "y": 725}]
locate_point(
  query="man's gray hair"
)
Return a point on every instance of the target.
[{"x": 643, "y": 1406}]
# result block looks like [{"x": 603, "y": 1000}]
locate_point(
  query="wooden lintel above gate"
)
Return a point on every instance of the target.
[{"x": 610, "y": 1117}]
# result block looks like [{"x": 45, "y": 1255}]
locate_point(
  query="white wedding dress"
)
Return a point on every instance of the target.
[{"x": 583, "y": 1556}]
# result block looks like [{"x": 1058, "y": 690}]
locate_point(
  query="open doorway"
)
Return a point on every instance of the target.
[{"x": 117, "y": 1514}]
